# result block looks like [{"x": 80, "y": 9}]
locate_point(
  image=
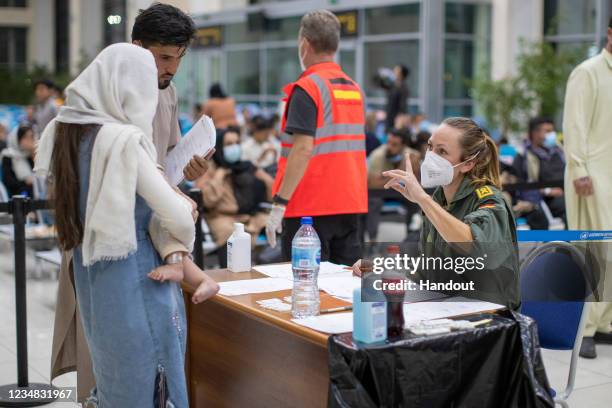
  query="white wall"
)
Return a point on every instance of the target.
[
  {"x": 86, "y": 32},
  {"x": 513, "y": 20}
]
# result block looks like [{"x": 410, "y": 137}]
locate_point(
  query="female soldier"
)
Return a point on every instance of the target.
[{"x": 467, "y": 211}]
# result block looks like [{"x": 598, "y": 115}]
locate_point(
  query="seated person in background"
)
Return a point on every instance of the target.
[
  {"x": 403, "y": 121},
  {"x": 543, "y": 161},
  {"x": 421, "y": 144},
  {"x": 196, "y": 114},
  {"x": 420, "y": 123},
  {"x": 3, "y": 136},
  {"x": 389, "y": 156},
  {"x": 18, "y": 161},
  {"x": 220, "y": 107},
  {"x": 372, "y": 141},
  {"x": 232, "y": 191},
  {"x": 524, "y": 204},
  {"x": 261, "y": 148}
]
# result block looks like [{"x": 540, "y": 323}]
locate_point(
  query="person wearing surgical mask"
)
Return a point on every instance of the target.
[
  {"x": 466, "y": 212},
  {"x": 543, "y": 161},
  {"x": 232, "y": 191},
  {"x": 389, "y": 156}
]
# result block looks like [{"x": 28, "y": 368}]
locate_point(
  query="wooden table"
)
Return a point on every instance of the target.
[{"x": 241, "y": 355}]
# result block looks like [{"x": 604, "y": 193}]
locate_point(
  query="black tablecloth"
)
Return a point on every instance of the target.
[{"x": 499, "y": 365}]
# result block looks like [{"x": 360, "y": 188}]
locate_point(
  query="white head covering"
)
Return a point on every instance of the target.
[
  {"x": 118, "y": 90},
  {"x": 19, "y": 157},
  {"x": 115, "y": 87}
]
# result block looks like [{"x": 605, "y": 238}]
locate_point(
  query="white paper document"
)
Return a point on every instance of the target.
[
  {"x": 246, "y": 286},
  {"x": 333, "y": 323},
  {"x": 340, "y": 286},
  {"x": 200, "y": 139},
  {"x": 416, "y": 312},
  {"x": 284, "y": 270}
]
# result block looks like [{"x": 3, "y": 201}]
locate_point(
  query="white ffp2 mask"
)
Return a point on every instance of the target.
[{"x": 437, "y": 171}]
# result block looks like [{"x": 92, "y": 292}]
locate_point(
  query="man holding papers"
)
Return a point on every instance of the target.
[{"x": 167, "y": 32}]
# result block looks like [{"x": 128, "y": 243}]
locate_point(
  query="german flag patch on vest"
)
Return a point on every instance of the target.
[
  {"x": 345, "y": 90},
  {"x": 485, "y": 206},
  {"x": 483, "y": 192}
]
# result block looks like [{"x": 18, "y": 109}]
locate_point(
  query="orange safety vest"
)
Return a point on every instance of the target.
[{"x": 335, "y": 181}]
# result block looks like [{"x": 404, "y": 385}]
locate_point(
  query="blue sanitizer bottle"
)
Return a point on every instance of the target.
[{"x": 369, "y": 320}]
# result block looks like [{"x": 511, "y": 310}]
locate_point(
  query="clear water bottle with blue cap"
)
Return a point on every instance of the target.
[{"x": 305, "y": 260}]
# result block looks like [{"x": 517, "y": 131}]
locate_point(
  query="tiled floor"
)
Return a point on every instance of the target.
[{"x": 593, "y": 387}]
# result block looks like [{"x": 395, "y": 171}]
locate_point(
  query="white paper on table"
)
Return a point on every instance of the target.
[
  {"x": 284, "y": 270},
  {"x": 200, "y": 139},
  {"x": 340, "y": 285},
  {"x": 332, "y": 323},
  {"x": 246, "y": 286},
  {"x": 451, "y": 307}
]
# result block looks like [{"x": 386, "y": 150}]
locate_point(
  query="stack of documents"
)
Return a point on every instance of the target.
[
  {"x": 450, "y": 307},
  {"x": 284, "y": 270},
  {"x": 333, "y": 323},
  {"x": 199, "y": 141},
  {"x": 340, "y": 286},
  {"x": 246, "y": 286}
]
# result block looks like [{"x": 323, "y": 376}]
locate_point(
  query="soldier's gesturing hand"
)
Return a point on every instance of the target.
[{"x": 406, "y": 182}]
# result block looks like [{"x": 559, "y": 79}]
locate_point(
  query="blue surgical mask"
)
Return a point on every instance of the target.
[
  {"x": 395, "y": 159},
  {"x": 231, "y": 153},
  {"x": 550, "y": 140}
]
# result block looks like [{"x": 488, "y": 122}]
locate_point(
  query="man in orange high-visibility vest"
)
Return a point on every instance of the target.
[{"x": 322, "y": 169}]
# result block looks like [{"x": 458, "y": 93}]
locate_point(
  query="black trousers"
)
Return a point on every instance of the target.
[{"x": 339, "y": 235}]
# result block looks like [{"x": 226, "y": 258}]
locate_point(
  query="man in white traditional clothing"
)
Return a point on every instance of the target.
[{"x": 587, "y": 126}]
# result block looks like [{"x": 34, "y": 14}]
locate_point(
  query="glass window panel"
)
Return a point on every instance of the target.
[
  {"x": 457, "y": 110},
  {"x": 393, "y": 19},
  {"x": 581, "y": 48},
  {"x": 4, "y": 46},
  {"x": 243, "y": 72},
  {"x": 458, "y": 68},
  {"x": 388, "y": 54},
  {"x": 283, "y": 67},
  {"x": 283, "y": 29},
  {"x": 20, "y": 41},
  {"x": 347, "y": 61},
  {"x": 13, "y": 3},
  {"x": 467, "y": 18},
  {"x": 240, "y": 33},
  {"x": 562, "y": 17},
  {"x": 463, "y": 58}
]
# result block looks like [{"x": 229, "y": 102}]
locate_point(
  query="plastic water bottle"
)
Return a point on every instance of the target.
[{"x": 305, "y": 260}]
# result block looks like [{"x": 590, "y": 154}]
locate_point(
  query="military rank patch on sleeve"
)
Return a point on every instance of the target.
[{"x": 483, "y": 192}]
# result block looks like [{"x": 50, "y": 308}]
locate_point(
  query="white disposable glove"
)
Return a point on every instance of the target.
[{"x": 275, "y": 223}]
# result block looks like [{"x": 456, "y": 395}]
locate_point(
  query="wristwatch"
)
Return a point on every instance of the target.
[
  {"x": 279, "y": 200},
  {"x": 174, "y": 258}
]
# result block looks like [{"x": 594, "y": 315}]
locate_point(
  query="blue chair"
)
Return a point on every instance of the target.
[{"x": 553, "y": 290}]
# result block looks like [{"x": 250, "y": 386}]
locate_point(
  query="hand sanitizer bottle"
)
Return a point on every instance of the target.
[
  {"x": 369, "y": 320},
  {"x": 239, "y": 250}
]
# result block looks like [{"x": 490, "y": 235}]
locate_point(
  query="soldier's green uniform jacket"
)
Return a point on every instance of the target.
[{"x": 493, "y": 228}]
